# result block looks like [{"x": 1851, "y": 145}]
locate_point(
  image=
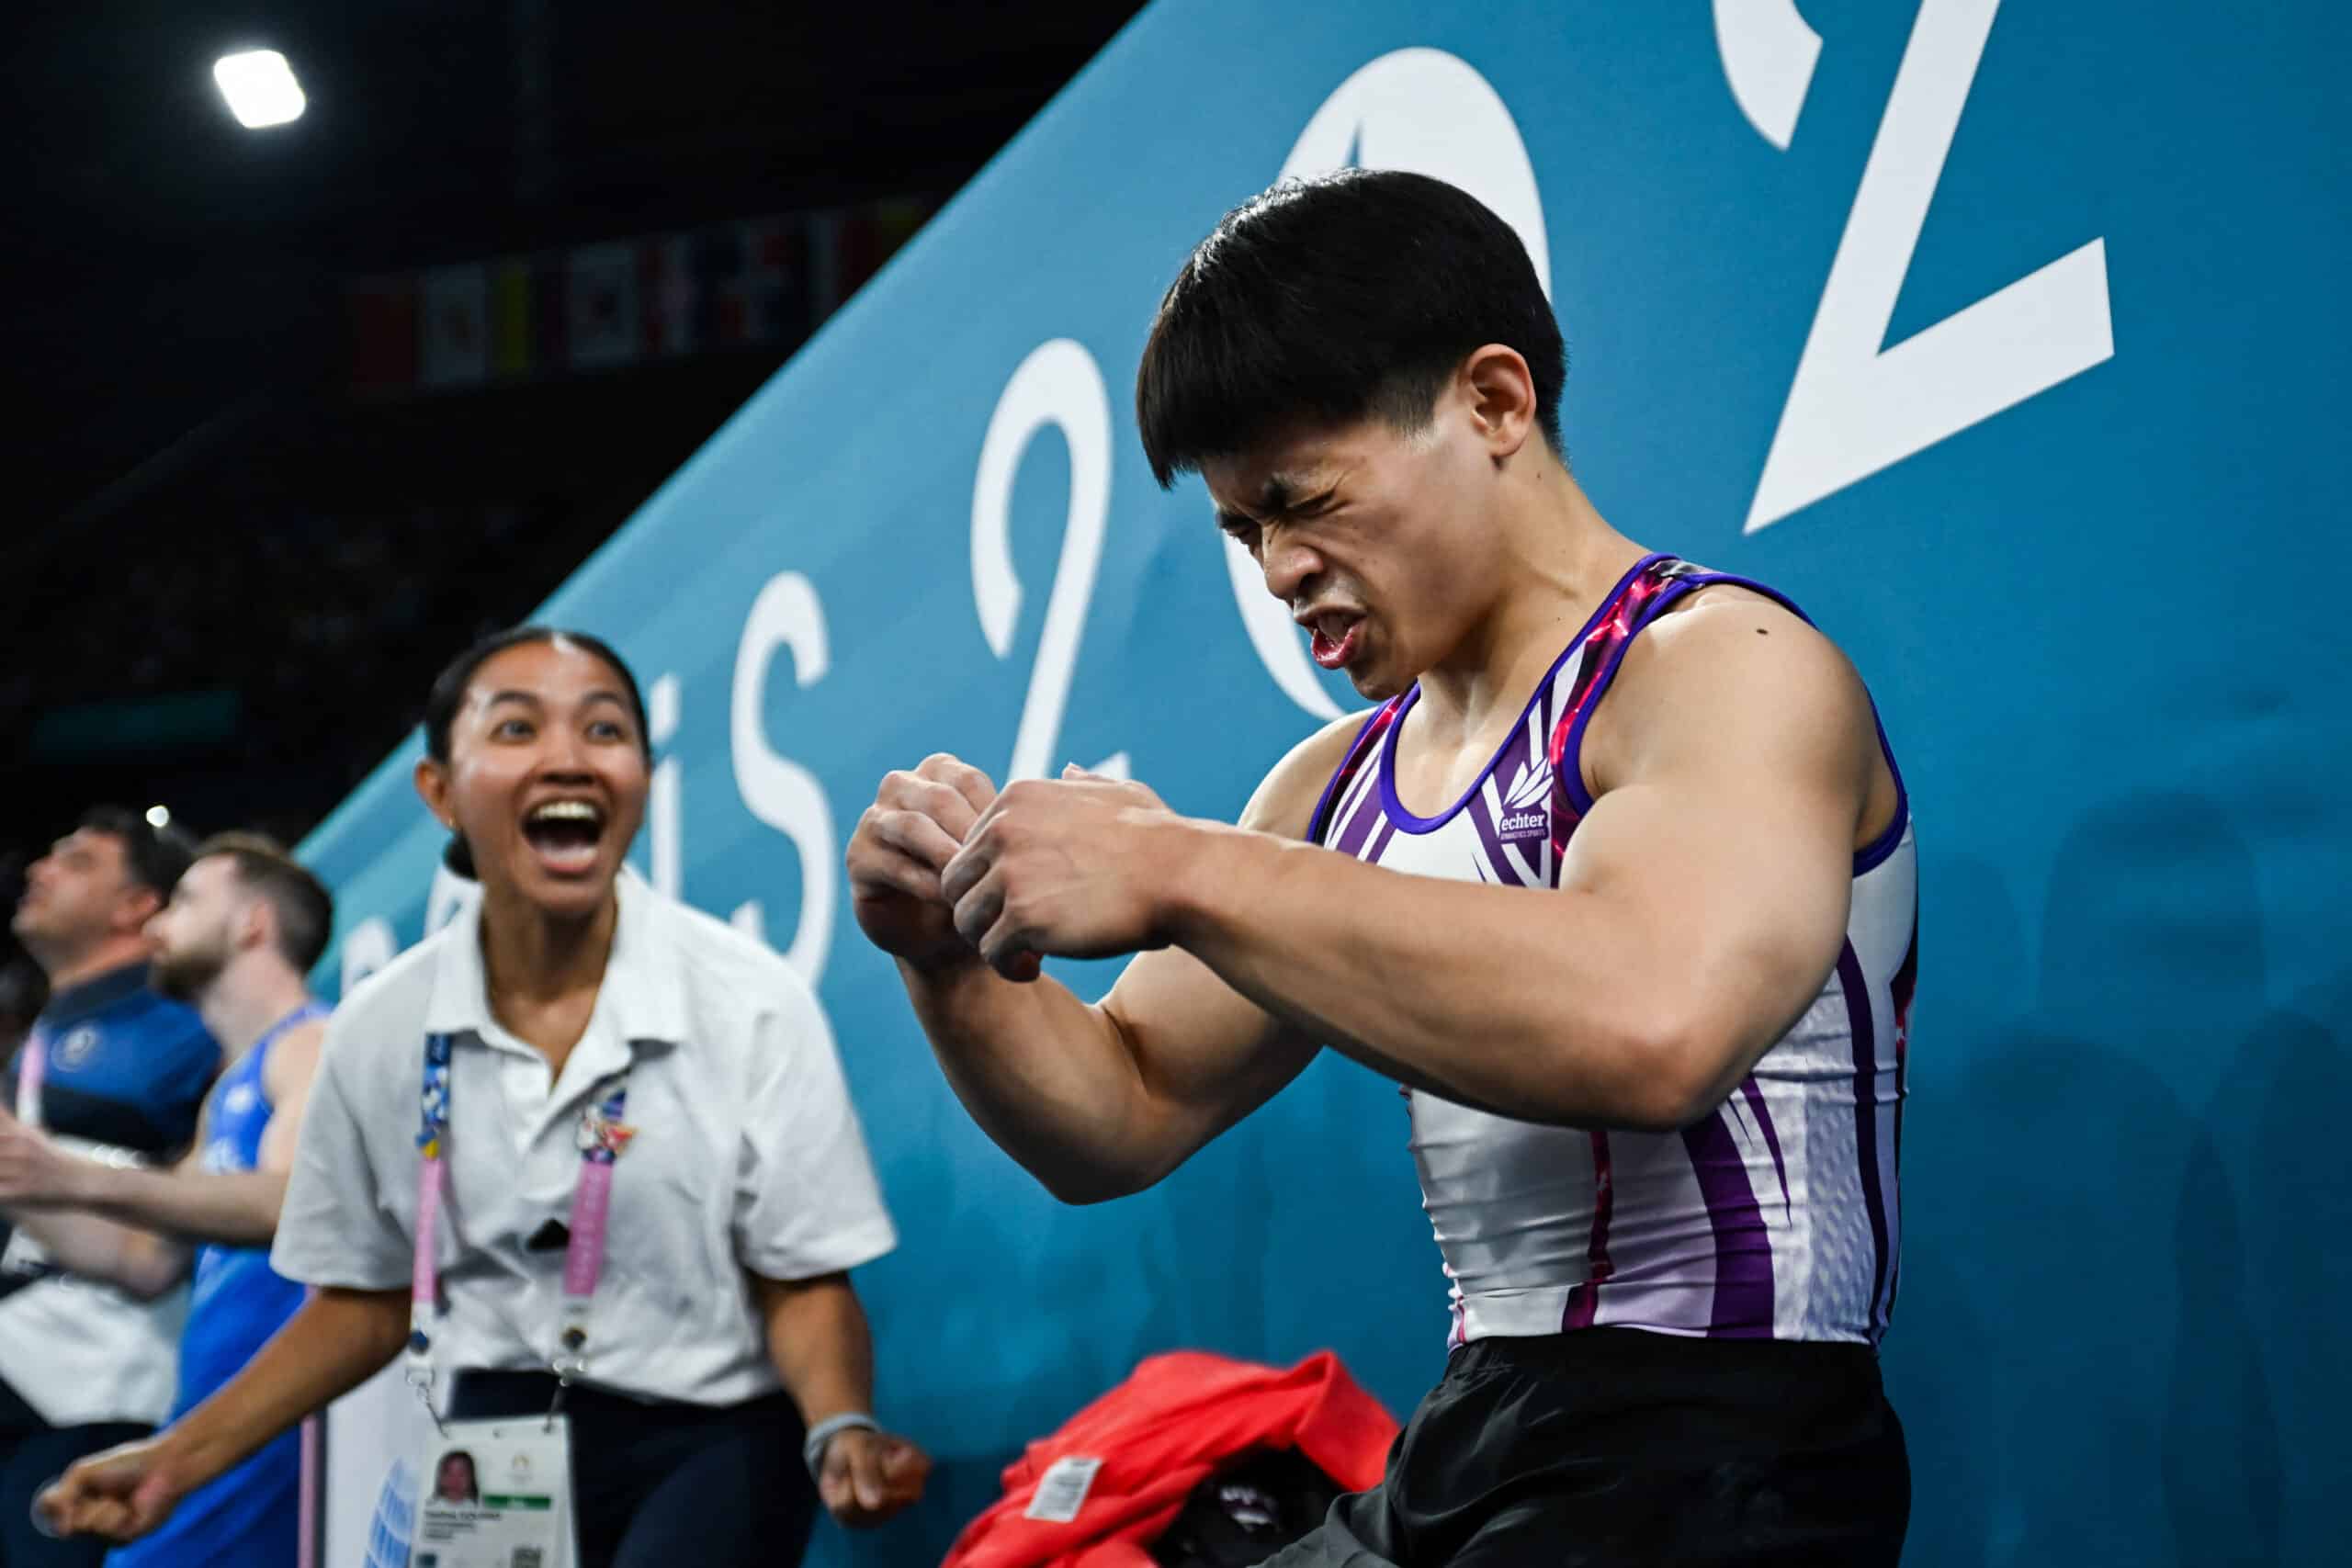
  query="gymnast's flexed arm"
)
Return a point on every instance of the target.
[{"x": 1096, "y": 1101}]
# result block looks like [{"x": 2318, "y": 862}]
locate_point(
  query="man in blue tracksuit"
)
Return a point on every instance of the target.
[
  {"x": 116, "y": 1074},
  {"x": 241, "y": 929}
]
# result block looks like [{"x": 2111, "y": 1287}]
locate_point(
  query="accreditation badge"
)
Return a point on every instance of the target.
[{"x": 496, "y": 1494}]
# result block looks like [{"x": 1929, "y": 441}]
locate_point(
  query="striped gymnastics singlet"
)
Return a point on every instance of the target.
[{"x": 1775, "y": 1216}]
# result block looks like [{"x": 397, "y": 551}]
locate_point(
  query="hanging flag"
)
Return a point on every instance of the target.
[
  {"x": 383, "y": 333},
  {"x": 453, "y": 325},
  {"x": 760, "y": 282},
  {"x": 717, "y": 254},
  {"x": 860, "y": 239},
  {"x": 510, "y": 317},
  {"x": 737, "y": 305},
  {"x": 668, "y": 287},
  {"x": 764, "y": 287},
  {"x": 602, "y": 305},
  {"x": 550, "y": 313},
  {"x": 780, "y": 261},
  {"x": 825, "y": 291}
]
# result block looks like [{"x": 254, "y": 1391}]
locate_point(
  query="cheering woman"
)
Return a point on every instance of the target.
[{"x": 587, "y": 1157}]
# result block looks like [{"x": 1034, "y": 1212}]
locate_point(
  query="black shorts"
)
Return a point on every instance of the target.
[
  {"x": 657, "y": 1485},
  {"x": 1610, "y": 1447}
]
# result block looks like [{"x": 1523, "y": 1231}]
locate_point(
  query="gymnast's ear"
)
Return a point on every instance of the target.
[{"x": 1498, "y": 391}]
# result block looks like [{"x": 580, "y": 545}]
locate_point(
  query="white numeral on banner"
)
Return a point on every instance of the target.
[
  {"x": 1856, "y": 407},
  {"x": 366, "y": 947},
  {"x": 450, "y": 896},
  {"x": 780, "y": 792},
  {"x": 664, "y": 803},
  {"x": 1768, "y": 54},
  {"x": 1060, "y": 385}
]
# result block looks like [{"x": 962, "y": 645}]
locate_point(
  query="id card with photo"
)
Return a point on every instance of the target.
[{"x": 496, "y": 1494}]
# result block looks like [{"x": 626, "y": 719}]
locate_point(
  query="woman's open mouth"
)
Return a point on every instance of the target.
[{"x": 565, "y": 834}]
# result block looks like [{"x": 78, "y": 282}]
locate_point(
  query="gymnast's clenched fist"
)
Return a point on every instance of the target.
[
  {"x": 903, "y": 842},
  {"x": 944, "y": 869}
]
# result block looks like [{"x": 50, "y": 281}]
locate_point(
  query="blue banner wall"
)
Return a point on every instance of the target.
[{"x": 2009, "y": 339}]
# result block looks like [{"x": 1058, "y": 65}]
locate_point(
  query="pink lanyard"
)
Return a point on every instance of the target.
[
  {"x": 601, "y": 1136},
  {"x": 32, "y": 1067}
]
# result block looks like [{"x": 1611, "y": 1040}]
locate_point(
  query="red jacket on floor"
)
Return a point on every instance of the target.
[{"x": 1157, "y": 1436}]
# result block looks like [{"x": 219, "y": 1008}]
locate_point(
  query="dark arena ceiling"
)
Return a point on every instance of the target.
[{"x": 231, "y": 561}]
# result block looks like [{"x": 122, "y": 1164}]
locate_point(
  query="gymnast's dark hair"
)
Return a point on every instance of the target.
[
  {"x": 448, "y": 694},
  {"x": 1356, "y": 293}
]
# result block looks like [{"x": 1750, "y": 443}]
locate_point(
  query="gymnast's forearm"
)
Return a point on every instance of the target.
[{"x": 1046, "y": 1076}]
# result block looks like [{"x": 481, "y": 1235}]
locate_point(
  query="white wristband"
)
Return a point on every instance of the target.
[
  {"x": 41, "y": 1526},
  {"x": 812, "y": 1451}
]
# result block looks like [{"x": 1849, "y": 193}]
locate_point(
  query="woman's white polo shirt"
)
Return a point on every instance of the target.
[{"x": 747, "y": 1155}]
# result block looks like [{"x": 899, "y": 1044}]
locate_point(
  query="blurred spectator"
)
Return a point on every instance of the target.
[
  {"x": 241, "y": 929},
  {"x": 116, "y": 1073},
  {"x": 23, "y": 990}
]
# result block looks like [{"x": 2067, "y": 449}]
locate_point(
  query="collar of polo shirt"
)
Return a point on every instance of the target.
[{"x": 642, "y": 998}]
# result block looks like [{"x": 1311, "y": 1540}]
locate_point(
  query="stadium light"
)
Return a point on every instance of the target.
[
  {"x": 260, "y": 87},
  {"x": 159, "y": 816}
]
